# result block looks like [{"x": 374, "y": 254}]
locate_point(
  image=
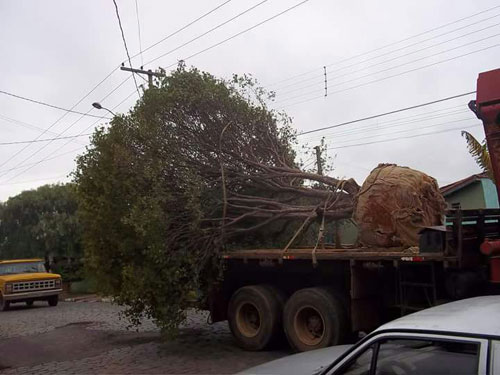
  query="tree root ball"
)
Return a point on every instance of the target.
[{"x": 394, "y": 203}]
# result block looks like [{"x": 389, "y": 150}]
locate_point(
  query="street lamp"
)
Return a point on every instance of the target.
[{"x": 99, "y": 106}]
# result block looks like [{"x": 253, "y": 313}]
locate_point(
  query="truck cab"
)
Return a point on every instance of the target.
[{"x": 27, "y": 280}]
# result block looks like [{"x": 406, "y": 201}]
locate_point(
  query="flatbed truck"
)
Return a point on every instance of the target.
[{"x": 328, "y": 296}]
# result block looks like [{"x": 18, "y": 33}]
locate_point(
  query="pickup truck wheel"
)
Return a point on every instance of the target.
[
  {"x": 314, "y": 318},
  {"x": 53, "y": 300},
  {"x": 254, "y": 316},
  {"x": 29, "y": 303},
  {"x": 4, "y": 305}
]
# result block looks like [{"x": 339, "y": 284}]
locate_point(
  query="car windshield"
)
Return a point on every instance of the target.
[{"x": 21, "y": 267}]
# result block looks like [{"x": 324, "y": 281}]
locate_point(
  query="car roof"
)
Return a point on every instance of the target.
[
  {"x": 475, "y": 316},
  {"x": 21, "y": 260}
]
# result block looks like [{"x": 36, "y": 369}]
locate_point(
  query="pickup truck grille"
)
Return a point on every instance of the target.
[{"x": 26, "y": 286}]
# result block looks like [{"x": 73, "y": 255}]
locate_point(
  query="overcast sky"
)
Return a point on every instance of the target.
[{"x": 57, "y": 51}]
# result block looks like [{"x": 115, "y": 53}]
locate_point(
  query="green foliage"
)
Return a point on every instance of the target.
[
  {"x": 479, "y": 152},
  {"x": 150, "y": 180},
  {"x": 40, "y": 223}
]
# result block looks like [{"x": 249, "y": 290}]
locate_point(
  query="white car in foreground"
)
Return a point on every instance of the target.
[{"x": 461, "y": 337}]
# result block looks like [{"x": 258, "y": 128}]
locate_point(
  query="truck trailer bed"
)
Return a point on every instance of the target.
[{"x": 367, "y": 254}]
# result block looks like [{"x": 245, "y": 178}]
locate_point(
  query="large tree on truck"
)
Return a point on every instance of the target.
[
  {"x": 200, "y": 165},
  {"x": 197, "y": 192}
]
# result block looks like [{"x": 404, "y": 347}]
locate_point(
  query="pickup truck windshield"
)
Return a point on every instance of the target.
[{"x": 26, "y": 267}]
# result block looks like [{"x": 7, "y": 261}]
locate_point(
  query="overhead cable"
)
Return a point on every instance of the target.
[
  {"x": 43, "y": 140},
  {"x": 126, "y": 48},
  {"x": 390, "y": 44},
  {"x": 336, "y": 76},
  {"x": 138, "y": 29},
  {"x": 241, "y": 32},
  {"x": 406, "y": 137},
  {"x": 208, "y": 31},
  {"x": 391, "y": 76},
  {"x": 386, "y": 113},
  {"x": 183, "y": 27},
  {"x": 47, "y": 104}
]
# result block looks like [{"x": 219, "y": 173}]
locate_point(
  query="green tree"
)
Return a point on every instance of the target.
[
  {"x": 479, "y": 151},
  {"x": 199, "y": 165},
  {"x": 40, "y": 223}
]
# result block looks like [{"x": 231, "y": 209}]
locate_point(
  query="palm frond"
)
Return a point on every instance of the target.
[{"x": 479, "y": 152}]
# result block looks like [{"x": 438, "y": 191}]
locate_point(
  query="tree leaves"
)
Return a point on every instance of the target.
[
  {"x": 198, "y": 166},
  {"x": 39, "y": 223},
  {"x": 479, "y": 152}
]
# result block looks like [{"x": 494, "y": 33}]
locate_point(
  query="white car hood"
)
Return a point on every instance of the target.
[{"x": 307, "y": 363}]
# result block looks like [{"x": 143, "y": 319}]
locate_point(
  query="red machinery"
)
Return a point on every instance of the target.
[{"x": 487, "y": 109}]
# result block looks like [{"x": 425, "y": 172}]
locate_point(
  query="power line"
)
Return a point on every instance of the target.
[
  {"x": 400, "y": 65},
  {"x": 199, "y": 36},
  {"x": 391, "y": 76},
  {"x": 55, "y": 122},
  {"x": 242, "y": 32},
  {"x": 407, "y": 137},
  {"x": 41, "y": 148},
  {"x": 388, "y": 125},
  {"x": 65, "y": 130},
  {"x": 389, "y": 45},
  {"x": 43, "y": 140},
  {"x": 41, "y": 161},
  {"x": 184, "y": 27},
  {"x": 151, "y": 46},
  {"x": 47, "y": 104},
  {"x": 387, "y": 113},
  {"x": 391, "y": 59},
  {"x": 48, "y": 157},
  {"x": 209, "y": 31},
  {"x": 238, "y": 34},
  {"x": 419, "y": 117},
  {"x": 102, "y": 81},
  {"x": 138, "y": 30},
  {"x": 26, "y": 125},
  {"x": 310, "y": 161},
  {"x": 402, "y": 131},
  {"x": 125, "y": 44}
]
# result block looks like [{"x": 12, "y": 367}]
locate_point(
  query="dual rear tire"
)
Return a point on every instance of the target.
[
  {"x": 312, "y": 318},
  {"x": 254, "y": 316}
]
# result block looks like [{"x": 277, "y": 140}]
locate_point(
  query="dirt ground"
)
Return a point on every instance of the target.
[{"x": 89, "y": 338}]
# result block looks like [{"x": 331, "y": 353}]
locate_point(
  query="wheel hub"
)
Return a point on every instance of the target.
[
  {"x": 309, "y": 325},
  {"x": 248, "y": 319}
]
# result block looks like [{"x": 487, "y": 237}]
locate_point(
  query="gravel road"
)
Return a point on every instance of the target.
[{"x": 89, "y": 338}]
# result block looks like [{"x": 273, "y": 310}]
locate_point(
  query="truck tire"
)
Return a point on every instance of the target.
[
  {"x": 314, "y": 318},
  {"x": 53, "y": 300},
  {"x": 4, "y": 305},
  {"x": 254, "y": 316}
]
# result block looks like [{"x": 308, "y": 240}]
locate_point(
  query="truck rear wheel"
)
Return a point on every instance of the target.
[
  {"x": 314, "y": 318},
  {"x": 254, "y": 316}
]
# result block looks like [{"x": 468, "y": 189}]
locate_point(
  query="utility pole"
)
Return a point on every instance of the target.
[
  {"x": 319, "y": 162},
  {"x": 148, "y": 72}
]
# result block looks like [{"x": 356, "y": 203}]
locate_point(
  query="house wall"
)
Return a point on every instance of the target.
[
  {"x": 490, "y": 193},
  {"x": 470, "y": 197}
]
